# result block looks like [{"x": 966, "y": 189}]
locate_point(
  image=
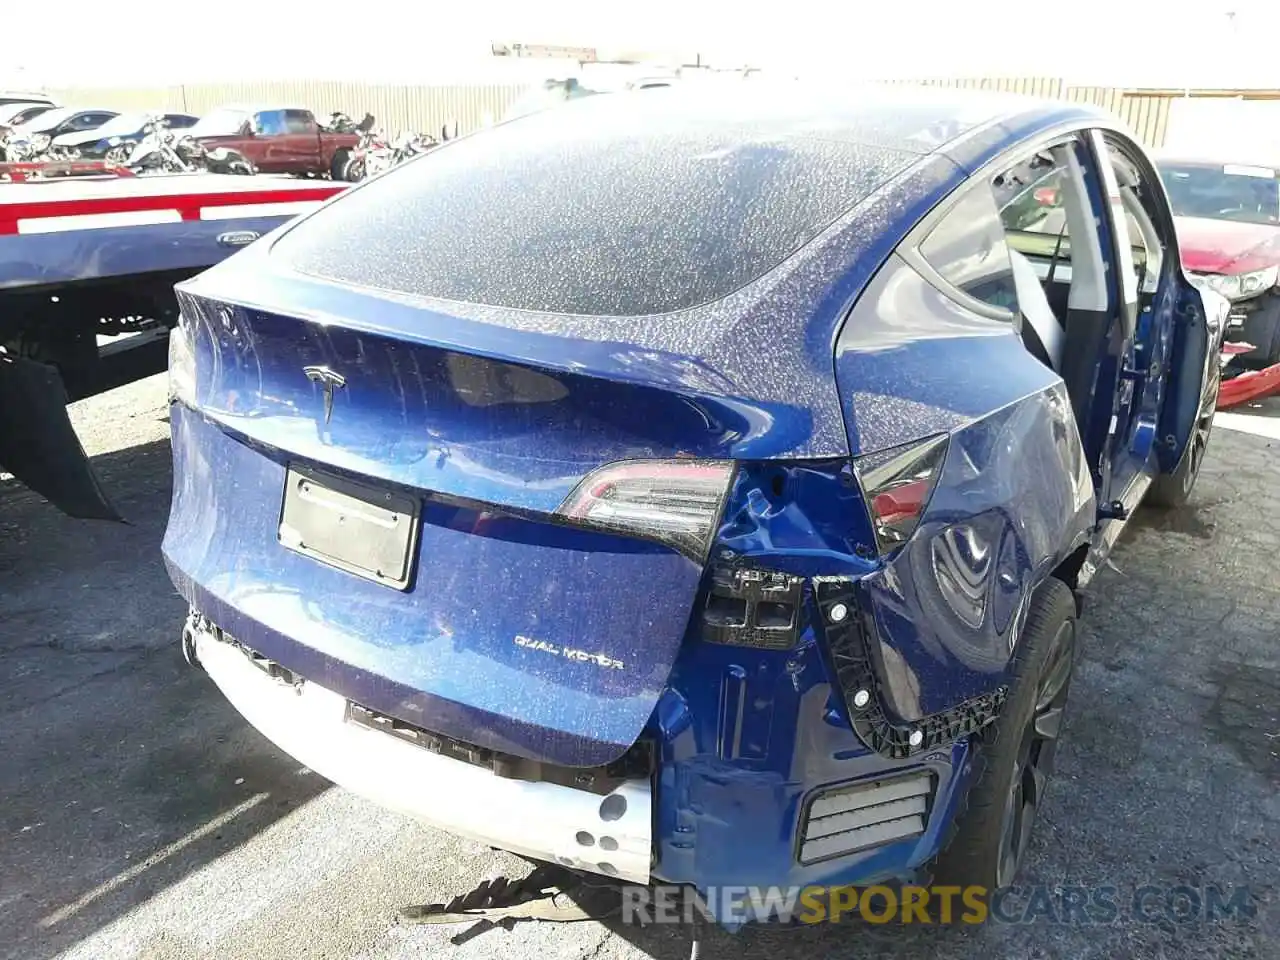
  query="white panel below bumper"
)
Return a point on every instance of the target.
[{"x": 540, "y": 820}]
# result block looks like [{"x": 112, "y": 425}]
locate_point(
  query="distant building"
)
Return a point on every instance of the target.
[{"x": 581, "y": 54}]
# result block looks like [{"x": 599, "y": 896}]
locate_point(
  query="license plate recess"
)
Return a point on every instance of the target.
[{"x": 363, "y": 529}]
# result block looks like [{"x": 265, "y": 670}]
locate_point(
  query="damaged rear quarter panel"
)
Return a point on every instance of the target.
[{"x": 1013, "y": 500}]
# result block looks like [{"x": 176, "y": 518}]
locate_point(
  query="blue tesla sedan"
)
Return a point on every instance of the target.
[{"x": 692, "y": 487}]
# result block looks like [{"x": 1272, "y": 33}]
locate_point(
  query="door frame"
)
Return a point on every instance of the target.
[{"x": 1196, "y": 332}]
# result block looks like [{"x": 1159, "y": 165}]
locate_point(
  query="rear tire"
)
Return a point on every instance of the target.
[
  {"x": 1015, "y": 757},
  {"x": 338, "y": 165}
]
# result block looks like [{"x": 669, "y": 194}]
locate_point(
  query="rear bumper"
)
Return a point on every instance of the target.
[
  {"x": 744, "y": 740},
  {"x": 576, "y": 828}
]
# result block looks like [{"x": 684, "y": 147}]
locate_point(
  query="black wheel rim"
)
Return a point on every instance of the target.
[
  {"x": 1033, "y": 765},
  {"x": 1199, "y": 444},
  {"x": 1200, "y": 436}
]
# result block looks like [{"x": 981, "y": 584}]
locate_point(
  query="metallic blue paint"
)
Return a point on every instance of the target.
[
  {"x": 443, "y": 655},
  {"x": 1014, "y": 489},
  {"x": 1013, "y": 500},
  {"x": 806, "y": 519},
  {"x": 911, "y": 362},
  {"x": 744, "y": 737},
  {"x": 1196, "y": 332},
  {"x": 782, "y": 388},
  {"x": 841, "y": 351},
  {"x": 455, "y": 422}
]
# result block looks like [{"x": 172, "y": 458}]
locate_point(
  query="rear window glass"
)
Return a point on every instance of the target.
[{"x": 575, "y": 211}]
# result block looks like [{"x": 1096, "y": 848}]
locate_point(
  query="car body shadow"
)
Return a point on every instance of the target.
[{"x": 123, "y": 769}]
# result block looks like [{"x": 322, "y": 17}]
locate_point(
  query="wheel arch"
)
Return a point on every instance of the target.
[{"x": 1013, "y": 506}]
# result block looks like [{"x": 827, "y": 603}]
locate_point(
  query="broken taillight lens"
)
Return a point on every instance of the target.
[
  {"x": 676, "y": 502},
  {"x": 897, "y": 484}
]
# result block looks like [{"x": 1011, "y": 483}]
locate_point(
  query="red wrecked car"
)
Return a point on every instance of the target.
[
  {"x": 1228, "y": 221},
  {"x": 1227, "y": 215}
]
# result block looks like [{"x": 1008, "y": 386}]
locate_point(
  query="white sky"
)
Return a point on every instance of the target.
[{"x": 1105, "y": 42}]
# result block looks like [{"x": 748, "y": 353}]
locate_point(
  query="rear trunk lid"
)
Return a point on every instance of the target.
[
  {"x": 509, "y": 626},
  {"x": 427, "y": 360}
]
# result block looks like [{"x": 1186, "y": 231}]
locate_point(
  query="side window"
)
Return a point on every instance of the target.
[
  {"x": 299, "y": 121},
  {"x": 269, "y": 123},
  {"x": 1009, "y": 243},
  {"x": 1055, "y": 231},
  {"x": 1031, "y": 199},
  {"x": 90, "y": 121},
  {"x": 968, "y": 250}
]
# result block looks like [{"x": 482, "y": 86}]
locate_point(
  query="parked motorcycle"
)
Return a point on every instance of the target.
[
  {"x": 161, "y": 151},
  {"x": 376, "y": 153},
  {"x": 409, "y": 145},
  {"x": 372, "y": 154},
  {"x": 157, "y": 151},
  {"x": 339, "y": 122},
  {"x": 25, "y": 150}
]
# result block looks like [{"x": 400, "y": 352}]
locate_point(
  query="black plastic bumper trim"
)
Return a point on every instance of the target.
[{"x": 848, "y": 645}]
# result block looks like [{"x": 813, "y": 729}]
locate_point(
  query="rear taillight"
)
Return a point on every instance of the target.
[
  {"x": 897, "y": 484},
  {"x": 676, "y": 502}
]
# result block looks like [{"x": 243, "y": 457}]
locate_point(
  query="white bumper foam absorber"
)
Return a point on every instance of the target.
[{"x": 611, "y": 835}]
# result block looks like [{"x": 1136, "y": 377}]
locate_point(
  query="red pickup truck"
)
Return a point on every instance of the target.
[{"x": 277, "y": 139}]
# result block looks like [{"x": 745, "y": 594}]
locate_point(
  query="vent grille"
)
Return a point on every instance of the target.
[{"x": 852, "y": 818}]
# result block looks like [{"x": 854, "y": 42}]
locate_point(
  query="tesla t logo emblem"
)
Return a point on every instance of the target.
[{"x": 330, "y": 380}]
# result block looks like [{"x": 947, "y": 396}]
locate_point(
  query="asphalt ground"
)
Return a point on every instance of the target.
[{"x": 140, "y": 817}]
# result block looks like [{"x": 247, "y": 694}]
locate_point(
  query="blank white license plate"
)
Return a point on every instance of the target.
[{"x": 357, "y": 527}]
